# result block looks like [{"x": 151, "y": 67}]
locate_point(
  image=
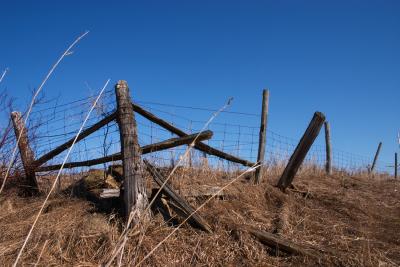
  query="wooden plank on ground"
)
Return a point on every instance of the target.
[
  {"x": 281, "y": 244},
  {"x": 109, "y": 193}
]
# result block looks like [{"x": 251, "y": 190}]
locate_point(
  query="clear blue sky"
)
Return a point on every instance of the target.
[{"x": 338, "y": 57}]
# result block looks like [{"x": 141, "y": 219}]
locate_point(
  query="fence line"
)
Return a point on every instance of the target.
[{"x": 235, "y": 133}]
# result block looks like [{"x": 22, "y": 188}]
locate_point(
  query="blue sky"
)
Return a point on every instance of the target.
[{"x": 338, "y": 57}]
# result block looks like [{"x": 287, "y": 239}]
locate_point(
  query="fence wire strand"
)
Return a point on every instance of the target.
[{"x": 236, "y": 133}]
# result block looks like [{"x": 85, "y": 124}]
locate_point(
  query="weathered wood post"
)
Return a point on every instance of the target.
[
  {"x": 29, "y": 185},
  {"x": 262, "y": 136},
  {"x": 301, "y": 150},
  {"x": 376, "y": 157},
  {"x": 328, "y": 164},
  {"x": 395, "y": 165},
  {"x": 135, "y": 197}
]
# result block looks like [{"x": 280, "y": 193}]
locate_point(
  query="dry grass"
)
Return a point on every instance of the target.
[{"x": 353, "y": 220}]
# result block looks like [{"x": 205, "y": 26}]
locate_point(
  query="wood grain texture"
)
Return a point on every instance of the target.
[
  {"x": 195, "y": 220},
  {"x": 376, "y": 157},
  {"x": 301, "y": 150},
  {"x": 135, "y": 197},
  {"x": 262, "y": 136},
  {"x": 328, "y": 163},
  {"x": 29, "y": 184}
]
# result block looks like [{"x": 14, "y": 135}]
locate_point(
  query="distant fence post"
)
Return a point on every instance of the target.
[
  {"x": 376, "y": 158},
  {"x": 30, "y": 185},
  {"x": 135, "y": 197},
  {"x": 395, "y": 165},
  {"x": 301, "y": 150},
  {"x": 190, "y": 152},
  {"x": 172, "y": 159},
  {"x": 262, "y": 136},
  {"x": 328, "y": 164}
]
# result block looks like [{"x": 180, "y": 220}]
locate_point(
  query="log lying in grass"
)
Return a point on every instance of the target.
[
  {"x": 281, "y": 244},
  {"x": 170, "y": 143},
  {"x": 195, "y": 219}
]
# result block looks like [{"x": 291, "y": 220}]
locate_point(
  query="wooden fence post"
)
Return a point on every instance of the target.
[
  {"x": 328, "y": 164},
  {"x": 135, "y": 197},
  {"x": 395, "y": 165},
  {"x": 262, "y": 136},
  {"x": 30, "y": 186},
  {"x": 376, "y": 158},
  {"x": 301, "y": 150}
]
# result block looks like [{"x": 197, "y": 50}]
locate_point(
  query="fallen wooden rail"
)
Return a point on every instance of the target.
[
  {"x": 195, "y": 219},
  {"x": 198, "y": 191},
  {"x": 281, "y": 244},
  {"x": 178, "y": 141},
  {"x": 200, "y": 146},
  {"x": 46, "y": 157},
  {"x": 170, "y": 143}
]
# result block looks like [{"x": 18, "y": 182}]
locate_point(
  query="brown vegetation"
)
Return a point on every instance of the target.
[{"x": 349, "y": 220}]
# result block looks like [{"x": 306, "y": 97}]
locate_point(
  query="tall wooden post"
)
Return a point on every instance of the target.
[
  {"x": 135, "y": 197},
  {"x": 262, "y": 136},
  {"x": 328, "y": 164},
  {"x": 376, "y": 157},
  {"x": 29, "y": 185},
  {"x": 301, "y": 150},
  {"x": 395, "y": 165}
]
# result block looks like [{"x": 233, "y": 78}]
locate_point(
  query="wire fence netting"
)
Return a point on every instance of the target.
[{"x": 234, "y": 132}]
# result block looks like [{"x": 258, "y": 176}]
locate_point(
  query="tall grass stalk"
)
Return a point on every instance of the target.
[
  {"x": 250, "y": 169},
  {"x": 3, "y": 75},
  {"x": 121, "y": 243},
  {"x": 58, "y": 175},
  {"x": 66, "y": 53}
]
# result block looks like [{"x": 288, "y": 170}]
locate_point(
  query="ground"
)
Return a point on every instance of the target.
[{"x": 351, "y": 220}]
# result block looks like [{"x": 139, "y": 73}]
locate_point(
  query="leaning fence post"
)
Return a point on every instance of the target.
[
  {"x": 375, "y": 158},
  {"x": 135, "y": 197},
  {"x": 328, "y": 165},
  {"x": 262, "y": 136},
  {"x": 27, "y": 157},
  {"x": 395, "y": 165},
  {"x": 301, "y": 150}
]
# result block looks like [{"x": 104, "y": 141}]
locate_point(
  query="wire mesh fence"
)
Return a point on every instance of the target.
[{"x": 236, "y": 133}]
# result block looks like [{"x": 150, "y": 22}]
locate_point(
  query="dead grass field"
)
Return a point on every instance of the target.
[{"x": 351, "y": 220}]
